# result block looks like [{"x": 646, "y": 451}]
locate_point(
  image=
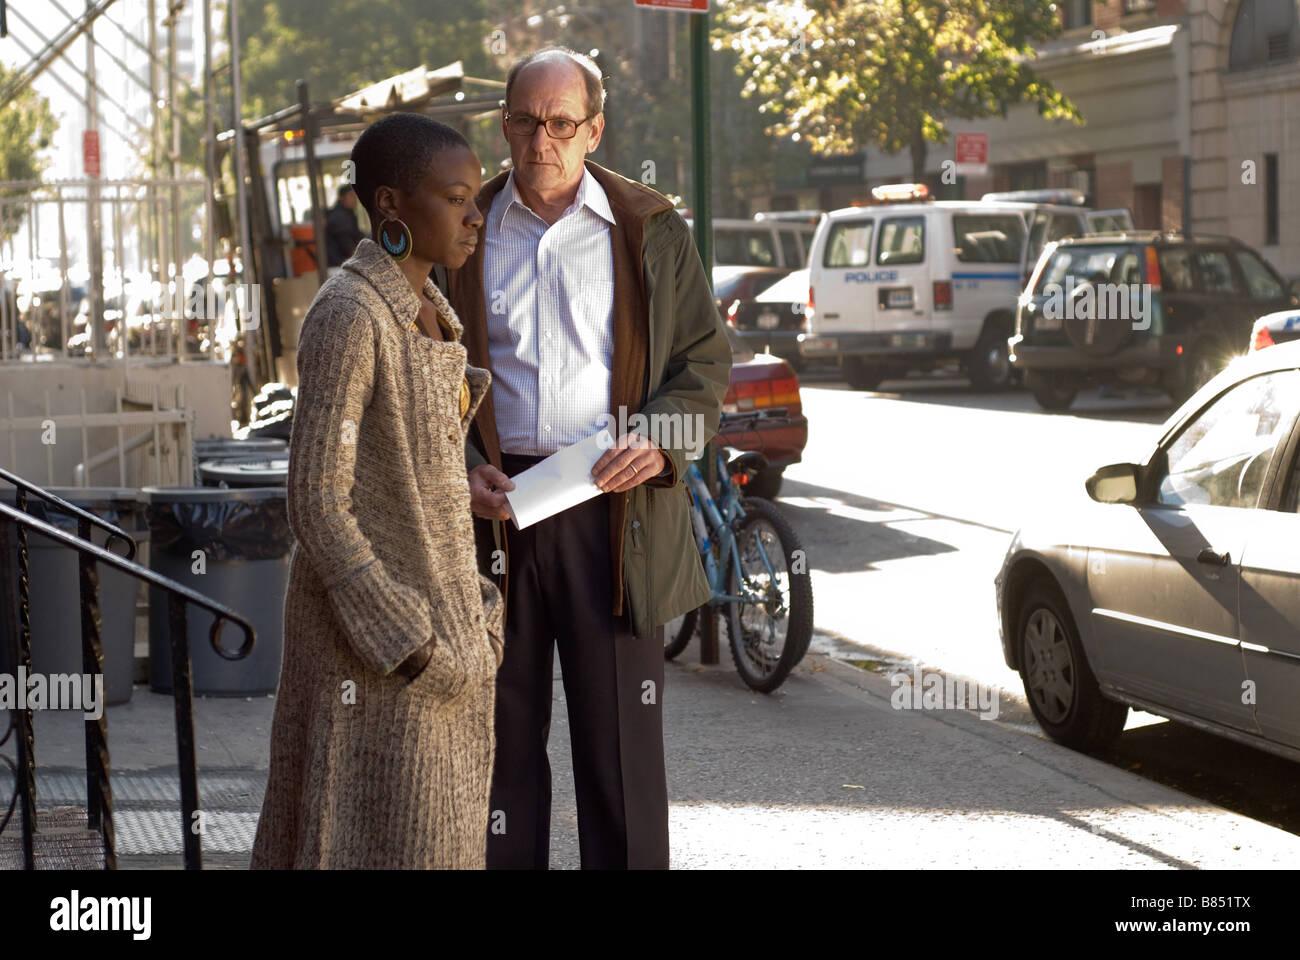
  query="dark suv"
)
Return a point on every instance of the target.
[{"x": 1130, "y": 309}]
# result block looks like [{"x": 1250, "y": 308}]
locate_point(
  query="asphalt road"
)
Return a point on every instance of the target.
[{"x": 906, "y": 500}]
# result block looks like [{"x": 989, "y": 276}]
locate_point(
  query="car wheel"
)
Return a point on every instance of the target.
[
  {"x": 1051, "y": 391},
  {"x": 862, "y": 375},
  {"x": 765, "y": 483},
  {"x": 1062, "y": 691},
  {"x": 989, "y": 366}
]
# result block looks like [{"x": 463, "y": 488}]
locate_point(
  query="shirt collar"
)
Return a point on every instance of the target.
[
  {"x": 387, "y": 278},
  {"x": 590, "y": 194}
]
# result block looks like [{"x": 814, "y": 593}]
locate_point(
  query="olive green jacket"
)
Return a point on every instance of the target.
[{"x": 670, "y": 357}]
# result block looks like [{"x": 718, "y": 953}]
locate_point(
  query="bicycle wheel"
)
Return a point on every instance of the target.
[
  {"x": 769, "y": 632},
  {"x": 678, "y": 633},
  {"x": 799, "y": 599}
]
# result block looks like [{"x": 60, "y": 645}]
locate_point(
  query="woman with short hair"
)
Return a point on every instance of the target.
[{"x": 382, "y": 742}]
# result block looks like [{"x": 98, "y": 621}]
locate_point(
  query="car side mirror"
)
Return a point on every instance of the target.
[{"x": 1116, "y": 483}]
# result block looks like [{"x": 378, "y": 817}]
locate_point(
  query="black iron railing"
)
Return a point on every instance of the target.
[{"x": 15, "y": 523}]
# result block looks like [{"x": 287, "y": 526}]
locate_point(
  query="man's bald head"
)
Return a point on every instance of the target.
[{"x": 562, "y": 62}]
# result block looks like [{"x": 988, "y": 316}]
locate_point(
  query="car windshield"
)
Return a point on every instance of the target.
[
  {"x": 1222, "y": 456},
  {"x": 1085, "y": 263},
  {"x": 755, "y": 248}
]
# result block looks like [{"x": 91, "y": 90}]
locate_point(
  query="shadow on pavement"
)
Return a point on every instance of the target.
[{"x": 846, "y": 541}]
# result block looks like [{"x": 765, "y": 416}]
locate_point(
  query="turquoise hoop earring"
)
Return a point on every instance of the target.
[{"x": 401, "y": 250}]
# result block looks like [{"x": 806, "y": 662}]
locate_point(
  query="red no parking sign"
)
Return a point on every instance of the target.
[{"x": 690, "y": 6}]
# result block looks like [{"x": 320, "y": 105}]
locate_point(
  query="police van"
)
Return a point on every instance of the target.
[{"x": 906, "y": 282}]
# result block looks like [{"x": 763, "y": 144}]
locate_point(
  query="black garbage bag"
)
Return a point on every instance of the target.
[{"x": 223, "y": 527}]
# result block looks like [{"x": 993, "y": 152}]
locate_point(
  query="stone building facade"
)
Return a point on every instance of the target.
[{"x": 1190, "y": 109}]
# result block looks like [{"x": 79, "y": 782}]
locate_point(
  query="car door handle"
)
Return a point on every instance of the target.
[{"x": 1209, "y": 556}]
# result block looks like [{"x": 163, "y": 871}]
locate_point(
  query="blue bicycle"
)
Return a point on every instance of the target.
[{"x": 755, "y": 566}]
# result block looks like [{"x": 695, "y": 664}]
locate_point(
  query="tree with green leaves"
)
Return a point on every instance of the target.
[
  {"x": 891, "y": 73},
  {"x": 27, "y": 128}
]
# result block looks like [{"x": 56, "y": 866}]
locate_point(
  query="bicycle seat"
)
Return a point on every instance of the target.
[{"x": 744, "y": 461}]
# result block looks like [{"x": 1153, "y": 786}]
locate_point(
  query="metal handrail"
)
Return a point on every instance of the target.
[
  {"x": 82, "y": 515},
  {"x": 99, "y": 793}
]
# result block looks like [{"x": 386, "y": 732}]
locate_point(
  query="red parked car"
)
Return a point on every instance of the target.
[{"x": 763, "y": 382}]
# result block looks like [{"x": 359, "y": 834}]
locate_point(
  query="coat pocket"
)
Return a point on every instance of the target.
[
  {"x": 464, "y": 656},
  {"x": 677, "y": 578}
]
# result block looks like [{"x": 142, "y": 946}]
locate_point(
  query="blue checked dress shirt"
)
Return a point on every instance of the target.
[{"x": 549, "y": 293}]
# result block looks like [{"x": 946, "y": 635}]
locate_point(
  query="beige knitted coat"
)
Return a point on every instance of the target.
[{"x": 366, "y": 770}]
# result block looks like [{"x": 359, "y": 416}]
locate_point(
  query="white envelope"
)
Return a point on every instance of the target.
[{"x": 561, "y": 481}]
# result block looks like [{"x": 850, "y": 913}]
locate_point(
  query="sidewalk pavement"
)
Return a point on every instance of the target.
[{"x": 822, "y": 773}]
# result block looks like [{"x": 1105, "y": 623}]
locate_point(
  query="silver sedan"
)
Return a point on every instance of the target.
[{"x": 1173, "y": 585}]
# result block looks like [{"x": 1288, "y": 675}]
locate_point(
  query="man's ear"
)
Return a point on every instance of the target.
[{"x": 597, "y": 129}]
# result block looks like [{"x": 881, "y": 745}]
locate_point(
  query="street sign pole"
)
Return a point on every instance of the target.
[
  {"x": 701, "y": 131},
  {"x": 700, "y": 134},
  {"x": 94, "y": 242}
]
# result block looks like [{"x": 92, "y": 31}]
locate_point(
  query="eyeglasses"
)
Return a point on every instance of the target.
[{"x": 557, "y": 128}]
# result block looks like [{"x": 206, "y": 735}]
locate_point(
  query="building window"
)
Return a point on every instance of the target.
[
  {"x": 1076, "y": 13},
  {"x": 1026, "y": 176},
  {"x": 1265, "y": 31},
  {"x": 1270, "y": 200}
]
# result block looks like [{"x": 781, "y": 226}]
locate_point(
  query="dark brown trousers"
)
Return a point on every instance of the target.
[{"x": 559, "y": 596}]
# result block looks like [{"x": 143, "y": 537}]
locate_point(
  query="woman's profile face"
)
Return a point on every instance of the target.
[{"x": 440, "y": 212}]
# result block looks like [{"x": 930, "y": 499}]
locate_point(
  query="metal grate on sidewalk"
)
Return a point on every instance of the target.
[
  {"x": 62, "y": 842},
  {"x": 146, "y": 820}
]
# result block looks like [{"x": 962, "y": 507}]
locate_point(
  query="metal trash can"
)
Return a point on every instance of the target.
[
  {"x": 220, "y": 448},
  {"x": 232, "y": 546},
  {"x": 56, "y": 590},
  {"x": 242, "y": 472},
  {"x": 228, "y": 448}
]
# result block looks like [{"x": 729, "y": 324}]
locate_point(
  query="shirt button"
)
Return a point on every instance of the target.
[{"x": 547, "y": 428}]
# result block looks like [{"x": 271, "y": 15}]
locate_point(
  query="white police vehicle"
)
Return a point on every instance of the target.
[{"x": 907, "y": 283}]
